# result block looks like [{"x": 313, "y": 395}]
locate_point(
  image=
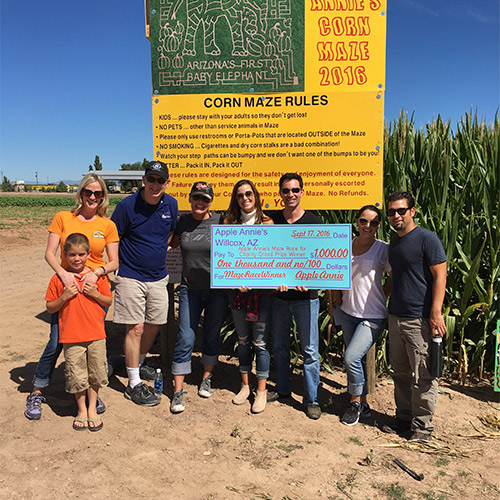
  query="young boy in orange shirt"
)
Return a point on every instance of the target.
[{"x": 81, "y": 330}]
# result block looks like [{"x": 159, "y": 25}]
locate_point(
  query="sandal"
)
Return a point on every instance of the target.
[
  {"x": 95, "y": 428},
  {"x": 80, "y": 420}
]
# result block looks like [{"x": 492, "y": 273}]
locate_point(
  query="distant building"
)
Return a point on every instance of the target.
[
  {"x": 18, "y": 186},
  {"x": 119, "y": 176}
]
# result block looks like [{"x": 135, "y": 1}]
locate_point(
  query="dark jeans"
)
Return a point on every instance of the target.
[
  {"x": 191, "y": 304},
  {"x": 47, "y": 363}
]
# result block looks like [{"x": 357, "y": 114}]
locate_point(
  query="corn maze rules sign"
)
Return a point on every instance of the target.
[
  {"x": 268, "y": 256},
  {"x": 256, "y": 88}
]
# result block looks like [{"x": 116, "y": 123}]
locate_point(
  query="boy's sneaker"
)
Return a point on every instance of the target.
[
  {"x": 141, "y": 395},
  {"x": 351, "y": 415},
  {"x": 205, "y": 390},
  {"x": 34, "y": 406},
  {"x": 177, "y": 405},
  {"x": 147, "y": 372},
  {"x": 365, "y": 411},
  {"x": 100, "y": 406}
]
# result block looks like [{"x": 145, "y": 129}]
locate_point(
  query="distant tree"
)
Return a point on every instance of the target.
[
  {"x": 61, "y": 188},
  {"x": 128, "y": 185},
  {"x": 97, "y": 163},
  {"x": 6, "y": 185}
]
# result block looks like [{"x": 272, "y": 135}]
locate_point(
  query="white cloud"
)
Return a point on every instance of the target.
[
  {"x": 421, "y": 7},
  {"x": 481, "y": 16}
]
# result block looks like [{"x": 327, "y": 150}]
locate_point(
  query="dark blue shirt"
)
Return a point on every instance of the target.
[
  {"x": 411, "y": 257},
  {"x": 144, "y": 231}
]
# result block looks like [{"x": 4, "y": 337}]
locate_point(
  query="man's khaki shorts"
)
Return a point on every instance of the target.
[
  {"x": 139, "y": 302},
  {"x": 86, "y": 365}
]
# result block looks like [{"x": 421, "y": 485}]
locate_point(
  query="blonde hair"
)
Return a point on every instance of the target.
[{"x": 102, "y": 209}]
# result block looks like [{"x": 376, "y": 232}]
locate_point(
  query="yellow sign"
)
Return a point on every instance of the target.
[
  {"x": 331, "y": 134},
  {"x": 323, "y": 137},
  {"x": 345, "y": 43}
]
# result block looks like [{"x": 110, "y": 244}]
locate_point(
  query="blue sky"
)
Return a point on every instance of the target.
[{"x": 76, "y": 77}]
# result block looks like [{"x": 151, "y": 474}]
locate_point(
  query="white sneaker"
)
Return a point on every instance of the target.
[{"x": 177, "y": 405}]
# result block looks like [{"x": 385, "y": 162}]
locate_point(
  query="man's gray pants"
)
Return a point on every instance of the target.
[{"x": 415, "y": 390}]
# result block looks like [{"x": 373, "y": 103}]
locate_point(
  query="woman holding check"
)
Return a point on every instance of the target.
[
  {"x": 193, "y": 234},
  {"x": 251, "y": 309}
]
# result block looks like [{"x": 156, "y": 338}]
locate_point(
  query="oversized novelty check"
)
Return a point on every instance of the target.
[{"x": 266, "y": 256}]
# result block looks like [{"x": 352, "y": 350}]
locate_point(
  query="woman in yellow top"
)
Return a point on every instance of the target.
[
  {"x": 89, "y": 217},
  {"x": 251, "y": 309}
]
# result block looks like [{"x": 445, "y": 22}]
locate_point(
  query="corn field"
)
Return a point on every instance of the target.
[{"x": 454, "y": 177}]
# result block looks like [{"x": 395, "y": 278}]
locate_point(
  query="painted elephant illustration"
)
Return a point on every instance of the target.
[{"x": 207, "y": 13}]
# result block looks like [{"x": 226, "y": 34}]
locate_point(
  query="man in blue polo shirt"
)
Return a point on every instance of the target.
[{"x": 145, "y": 222}]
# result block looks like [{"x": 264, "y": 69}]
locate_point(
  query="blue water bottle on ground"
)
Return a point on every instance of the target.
[{"x": 158, "y": 383}]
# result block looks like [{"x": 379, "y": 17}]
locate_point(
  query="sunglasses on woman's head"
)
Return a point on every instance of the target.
[
  {"x": 248, "y": 194},
  {"x": 152, "y": 179},
  {"x": 88, "y": 193},
  {"x": 200, "y": 197},
  {"x": 293, "y": 190},
  {"x": 391, "y": 212},
  {"x": 371, "y": 223}
]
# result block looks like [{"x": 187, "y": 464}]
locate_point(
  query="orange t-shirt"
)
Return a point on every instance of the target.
[
  {"x": 99, "y": 231},
  {"x": 81, "y": 319}
]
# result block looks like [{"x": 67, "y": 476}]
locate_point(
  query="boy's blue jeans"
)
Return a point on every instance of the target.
[
  {"x": 48, "y": 360},
  {"x": 359, "y": 335},
  {"x": 191, "y": 304}
]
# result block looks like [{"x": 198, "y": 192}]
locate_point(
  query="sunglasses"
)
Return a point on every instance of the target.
[
  {"x": 293, "y": 190},
  {"x": 371, "y": 223},
  {"x": 391, "y": 212},
  {"x": 88, "y": 193},
  {"x": 200, "y": 197},
  {"x": 152, "y": 179},
  {"x": 248, "y": 194}
]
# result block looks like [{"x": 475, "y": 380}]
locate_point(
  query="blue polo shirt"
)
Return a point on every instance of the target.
[{"x": 144, "y": 231}]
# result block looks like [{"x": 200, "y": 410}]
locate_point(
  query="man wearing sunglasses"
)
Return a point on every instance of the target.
[
  {"x": 302, "y": 304},
  {"x": 145, "y": 222},
  {"x": 418, "y": 264}
]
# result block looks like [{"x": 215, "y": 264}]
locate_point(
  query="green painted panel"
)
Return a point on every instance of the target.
[{"x": 227, "y": 46}]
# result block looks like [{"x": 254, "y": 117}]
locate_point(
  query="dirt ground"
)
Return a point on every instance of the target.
[{"x": 215, "y": 450}]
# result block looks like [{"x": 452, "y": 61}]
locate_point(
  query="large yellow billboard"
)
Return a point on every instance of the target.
[{"x": 288, "y": 86}]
